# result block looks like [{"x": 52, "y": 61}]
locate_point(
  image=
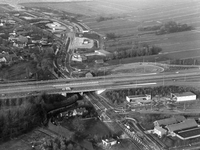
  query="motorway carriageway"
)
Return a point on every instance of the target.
[
  {"x": 107, "y": 83},
  {"x": 73, "y": 82}
]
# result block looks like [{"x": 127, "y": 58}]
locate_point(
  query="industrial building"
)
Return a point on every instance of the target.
[
  {"x": 138, "y": 98},
  {"x": 168, "y": 121},
  {"x": 182, "y": 97}
]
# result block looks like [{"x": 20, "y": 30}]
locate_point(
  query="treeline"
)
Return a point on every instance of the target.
[
  {"x": 119, "y": 96},
  {"x": 169, "y": 27},
  {"x": 60, "y": 144},
  {"x": 20, "y": 115},
  {"x": 189, "y": 61},
  {"x": 104, "y": 18},
  {"x": 136, "y": 51},
  {"x": 112, "y": 36}
]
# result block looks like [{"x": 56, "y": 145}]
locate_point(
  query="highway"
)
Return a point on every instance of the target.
[{"x": 98, "y": 83}]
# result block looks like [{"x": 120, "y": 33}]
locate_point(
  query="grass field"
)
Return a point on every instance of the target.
[{"x": 128, "y": 15}]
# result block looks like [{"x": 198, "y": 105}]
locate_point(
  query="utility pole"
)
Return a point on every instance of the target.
[{"x": 163, "y": 80}]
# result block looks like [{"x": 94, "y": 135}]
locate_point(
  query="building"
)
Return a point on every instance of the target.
[
  {"x": 188, "y": 123},
  {"x": 160, "y": 131},
  {"x": 79, "y": 111},
  {"x": 109, "y": 142},
  {"x": 77, "y": 57},
  {"x": 99, "y": 61},
  {"x": 182, "y": 97},
  {"x": 169, "y": 121},
  {"x": 3, "y": 60},
  {"x": 135, "y": 98}
]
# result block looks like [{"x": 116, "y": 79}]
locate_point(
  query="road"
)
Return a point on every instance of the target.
[
  {"x": 98, "y": 83},
  {"x": 103, "y": 106}
]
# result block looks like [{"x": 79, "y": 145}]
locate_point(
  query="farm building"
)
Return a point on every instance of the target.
[
  {"x": 160, "y": 131},
  {"x": 168, "y": 121},
  {"x": 188, "y": 123},
  {"x": 181, "y": 97},
  {"x": 139, "y": 98},
  {"x": 187, "y": 129}
]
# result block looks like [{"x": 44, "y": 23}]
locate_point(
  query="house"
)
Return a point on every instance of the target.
[
  {"x": 160, "y": 131},
  {"x": 99, "y": 61},
  {"x": 77, "y": 57},
  {"x": 109, "y": 142},
  {"x": 3, "y": 60},
  {"x": 135, "y": 98},
  {"x": 169, "y": 121},
  {"x": 186, "y": 124},
  {"x": 182, "y": 97},
  {"x": 79, "y": 111}
]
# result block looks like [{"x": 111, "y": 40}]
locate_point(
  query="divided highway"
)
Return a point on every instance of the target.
[{"x": 98, "y": 83}]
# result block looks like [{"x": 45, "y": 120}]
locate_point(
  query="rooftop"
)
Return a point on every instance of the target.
[
  {"x": 172, "y": 120},
  {"x": 184, "y": 94},
  {"x": 189, "y": 133},
  {"x": 136, "y": 96},
  {"x": 188, "y": 123}
]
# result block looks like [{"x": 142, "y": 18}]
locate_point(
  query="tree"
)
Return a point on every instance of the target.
[
  {"x": 70, "y": 146},
  {"x": 78, "y": 124}
]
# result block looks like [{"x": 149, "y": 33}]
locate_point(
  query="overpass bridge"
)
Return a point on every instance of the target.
[{"x": 75, "y": 85}]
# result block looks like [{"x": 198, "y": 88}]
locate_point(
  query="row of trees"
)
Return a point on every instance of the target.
[
  {"x": 118, "y": 96},
  {"x": 60, "y": 144},
  {"x": 189, "y": 61},
  {"x": 169, "y": 27},
  {"x": 138, "y": 51},
  {"x": 104, "y": 18}
]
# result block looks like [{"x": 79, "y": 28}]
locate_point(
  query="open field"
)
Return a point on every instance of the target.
[{"x": 128, "y": 15}]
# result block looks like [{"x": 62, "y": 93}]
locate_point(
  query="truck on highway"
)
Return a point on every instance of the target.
[{"x": 66, "y": 89}]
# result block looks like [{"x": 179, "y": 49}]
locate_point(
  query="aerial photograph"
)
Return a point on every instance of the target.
[{"x": 99, "y": 74}]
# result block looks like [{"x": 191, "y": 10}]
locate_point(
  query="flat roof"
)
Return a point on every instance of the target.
[
  {"x": 184, "y": 94},
  {"x": 189, "y": 133}
]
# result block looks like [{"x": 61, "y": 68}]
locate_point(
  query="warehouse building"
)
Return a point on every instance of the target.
[{"x": 182, "y": 97}]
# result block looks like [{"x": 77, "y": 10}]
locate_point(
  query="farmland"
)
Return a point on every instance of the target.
[{"x": 127, "y": 16}]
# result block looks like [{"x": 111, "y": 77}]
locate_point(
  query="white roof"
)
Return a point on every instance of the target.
[{"x": 184, "y": 94}]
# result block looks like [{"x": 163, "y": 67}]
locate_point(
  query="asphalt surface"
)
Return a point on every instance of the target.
[{"x": 98, "y": 83}]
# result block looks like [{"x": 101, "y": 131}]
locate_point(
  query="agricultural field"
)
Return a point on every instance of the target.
[{"x": 123, "y": 18}]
